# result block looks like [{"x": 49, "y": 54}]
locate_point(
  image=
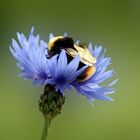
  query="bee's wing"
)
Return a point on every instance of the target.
[
  {"x": 84, "y": 54},
  {"x": 71, "y": 52}
]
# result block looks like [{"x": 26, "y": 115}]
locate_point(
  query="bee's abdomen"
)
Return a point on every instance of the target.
[{"x": 87, "y": 74}]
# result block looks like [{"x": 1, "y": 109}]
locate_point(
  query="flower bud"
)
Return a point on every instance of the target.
[{"x": 51, "y": 102}]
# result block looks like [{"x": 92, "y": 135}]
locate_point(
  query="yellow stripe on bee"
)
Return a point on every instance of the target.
[
  {"x": 52, "y": 41},
  {"x": 87, "y": 74}
]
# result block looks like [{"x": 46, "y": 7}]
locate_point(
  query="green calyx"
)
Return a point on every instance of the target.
[{"x": 51, "y": 102}]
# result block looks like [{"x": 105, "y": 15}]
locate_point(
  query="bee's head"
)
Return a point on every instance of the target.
[{"x": 58, "y": 43}]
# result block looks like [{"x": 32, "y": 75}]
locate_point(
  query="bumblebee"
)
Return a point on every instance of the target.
[{"x": 58, "y": 43}]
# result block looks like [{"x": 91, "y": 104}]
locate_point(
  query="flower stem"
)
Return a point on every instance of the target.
[{"x": 45, "y": 129}]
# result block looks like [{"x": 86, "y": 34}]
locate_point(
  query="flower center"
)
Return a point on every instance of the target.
[{"x": 61, "y": 80}]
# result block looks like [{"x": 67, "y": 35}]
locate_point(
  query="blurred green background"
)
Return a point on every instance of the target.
[{"x": 115, "y": 24}]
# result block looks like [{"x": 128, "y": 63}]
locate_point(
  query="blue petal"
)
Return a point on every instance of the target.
[
  {"x": 90, "y": 48},
  {"x": 104, "y": 76},
  {"x": 80, "y": 71},
  {"x": 113, "y": 83},
  {"x": 51, "y": 36},
  {"x": 103, "y": 65},
  {"x": 94, "y": 92},
  {"x": 62, "y": 63},
  {"x": 77, "y": 42},
  {"x": 52, "y": 66},
  {"x": 72, "y": 66},
  {"x": 31, "y": 36},
  {"x": 15, "y": 46},
  {"x": 65, "y": 34},
  {"x": 97, "y": 51}
]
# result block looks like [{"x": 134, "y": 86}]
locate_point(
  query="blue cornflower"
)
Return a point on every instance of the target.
[{"x": 58, "y": 71}]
